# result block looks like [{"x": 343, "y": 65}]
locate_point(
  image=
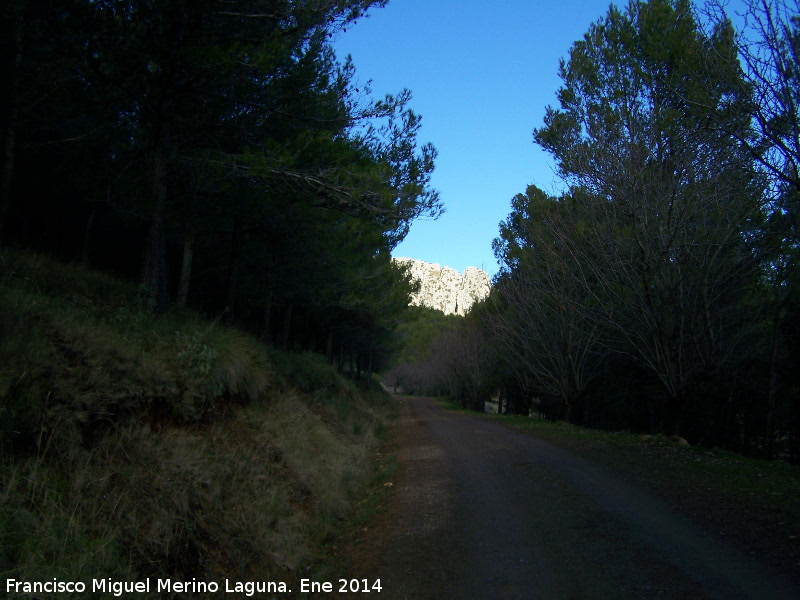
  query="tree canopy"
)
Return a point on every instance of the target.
[
  {"x": 218, "y": 151},
  {"x": 657, "y": 292}
]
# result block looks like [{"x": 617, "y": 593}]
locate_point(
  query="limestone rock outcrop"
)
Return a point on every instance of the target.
[{"x": 446, "y": 289}]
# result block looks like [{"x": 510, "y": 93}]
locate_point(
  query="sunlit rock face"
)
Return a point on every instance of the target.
[{"x": 446, "y": 289}]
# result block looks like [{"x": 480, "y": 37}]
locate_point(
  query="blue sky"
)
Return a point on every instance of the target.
[{"x": 481, "y": 74}]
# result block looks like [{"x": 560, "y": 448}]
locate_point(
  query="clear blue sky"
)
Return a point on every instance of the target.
[{"x": 481, "y": 74}]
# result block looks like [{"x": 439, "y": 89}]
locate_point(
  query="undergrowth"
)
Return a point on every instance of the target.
[
  {"x": 755, "y": 484},
  {"x": 135, "y": 446},
  {"x": 749, "y": 480},
  {"x": 762, "y": 483}
]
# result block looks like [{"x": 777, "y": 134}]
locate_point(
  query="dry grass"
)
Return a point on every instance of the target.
[
  {"x": 135, "y": 446},
  {"x": 751, "y": 481}
]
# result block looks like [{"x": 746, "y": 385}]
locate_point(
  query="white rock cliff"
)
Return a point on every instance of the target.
[{"x": 446, "y": 289}]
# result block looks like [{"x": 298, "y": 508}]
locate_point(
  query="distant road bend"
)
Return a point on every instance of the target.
[{"x": 482, "y": 511}]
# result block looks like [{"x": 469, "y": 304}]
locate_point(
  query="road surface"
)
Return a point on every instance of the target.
[{"x": 481, "y": 511}]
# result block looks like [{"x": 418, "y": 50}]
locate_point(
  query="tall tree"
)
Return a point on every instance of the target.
[
  {"x": 669, "y": 199},
  {"x": 227, "y": 129},
  {"x": 49, "y": 119},
  {"x": 546, "y": 325},
  {"x": 192, "y": 76},
  {"x": 768, "y": 62},
  {"x": 12, "y": 23}
]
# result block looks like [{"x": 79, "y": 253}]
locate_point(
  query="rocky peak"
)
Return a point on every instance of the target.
[{"x": 446, "y": 289}]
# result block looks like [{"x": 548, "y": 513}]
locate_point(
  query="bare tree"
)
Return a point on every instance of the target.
[
  {"x": 668, "y": 200},
  {"x": 549, "y": 334},
  {"x": 460, "y": 364},
  {"x": 769, "y": 61},
  {"x": 668, "y": 269}
]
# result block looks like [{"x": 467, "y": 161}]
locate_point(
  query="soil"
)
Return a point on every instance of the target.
[{"x": 478, "y": 510}]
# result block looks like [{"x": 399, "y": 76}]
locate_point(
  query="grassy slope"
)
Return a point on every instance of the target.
[{"x": 133, "y": 446}]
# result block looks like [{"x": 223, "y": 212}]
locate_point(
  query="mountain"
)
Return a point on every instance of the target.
[{"x": 446, "y": 289}]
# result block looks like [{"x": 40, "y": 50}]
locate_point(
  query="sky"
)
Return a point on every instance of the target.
[{"x": 481, "y": 75}]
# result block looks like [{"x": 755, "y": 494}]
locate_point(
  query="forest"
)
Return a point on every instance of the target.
[
  {"x": 659, "y": 290},
  {"x": 198, "y": 205},
  {"x": 219, "y": 154},
  {"x": 222, "y": 156}
]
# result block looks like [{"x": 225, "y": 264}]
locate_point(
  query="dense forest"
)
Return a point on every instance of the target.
[
  {"x": 191, "y": 193},
  {"x": 220, "y": 154},
  {"x": 659, "y": 291}
]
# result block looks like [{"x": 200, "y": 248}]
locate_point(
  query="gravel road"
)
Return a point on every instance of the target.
[{"x": 481, "y": 511}]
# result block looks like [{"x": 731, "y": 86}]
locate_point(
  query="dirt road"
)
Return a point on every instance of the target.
[{"x": 480, "y": 511}]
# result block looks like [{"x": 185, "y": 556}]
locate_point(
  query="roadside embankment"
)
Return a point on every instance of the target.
[{"x": 136, "y": 447}]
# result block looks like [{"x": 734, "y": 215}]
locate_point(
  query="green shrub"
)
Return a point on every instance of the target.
[{"x": 133, "y": 445}]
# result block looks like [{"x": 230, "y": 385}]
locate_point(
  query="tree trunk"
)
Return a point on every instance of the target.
[
  {"x": 287, "y": 325},
  {"x": 233, "y": 269},
  {"x": 11, "y": 132},
  {"x": 350, "y": 356},
  {"x": 567, "y": 410},
  {"x": 329, "y": 346},
  {"x": 340, "y": 359},
  {"x": 266, "y": 334},
  {"x": 368, "y": 377},
  {"x": 86, "y": 234},
  {"x": 586, "y": 412},
  {"x": 773, "y": 385},
  {"x": 672, "y": 416},
  {"x": 155, "y": 272},
  {"x": 186, "y": 269}
]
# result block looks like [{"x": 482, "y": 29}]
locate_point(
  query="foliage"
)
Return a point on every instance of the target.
[
  {"x": 242, "y": 166},
  {"x": 769, "y": 60},
  {"x": 446, "y": 355},
  {"x": 544, "y": 324},
  {"x": 418, "y": 331},
  {"x": 417, "y": 336},
  {"x": 135, "y": 446},
  {"x": 653, "y": 294},
  {"x": 668, "y": 199}
]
